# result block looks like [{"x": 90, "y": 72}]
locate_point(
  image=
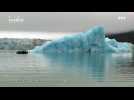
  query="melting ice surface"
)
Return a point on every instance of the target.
[{"x": 92, "y": 40}]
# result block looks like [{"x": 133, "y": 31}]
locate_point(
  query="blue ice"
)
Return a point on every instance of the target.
[{"x": 92, "y": 40}]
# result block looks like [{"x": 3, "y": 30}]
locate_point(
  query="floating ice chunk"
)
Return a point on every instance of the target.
[
  {"x": 117, "y": 46},
  {"x": 93, "y": 40}
]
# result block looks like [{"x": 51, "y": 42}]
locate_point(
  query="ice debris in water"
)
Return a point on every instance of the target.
[{"x": 93, "y": 40}]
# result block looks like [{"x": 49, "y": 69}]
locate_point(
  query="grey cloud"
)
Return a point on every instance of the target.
[{"x": 67, "y": 21}]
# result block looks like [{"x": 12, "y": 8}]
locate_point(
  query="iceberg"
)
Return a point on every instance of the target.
[{"x": 92, "y": 40}]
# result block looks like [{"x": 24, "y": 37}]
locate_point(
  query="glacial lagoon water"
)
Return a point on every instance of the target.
[{"x": 79, "y": 69}]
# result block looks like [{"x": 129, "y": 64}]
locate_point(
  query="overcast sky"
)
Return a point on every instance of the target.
[{"x": 67, "y": 21}]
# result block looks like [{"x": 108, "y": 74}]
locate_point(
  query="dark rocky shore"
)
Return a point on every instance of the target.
[{"x": 122, "y": 37}]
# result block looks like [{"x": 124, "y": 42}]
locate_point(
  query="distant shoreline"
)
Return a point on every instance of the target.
[
  {"x": 122, "y": 36},
  {"x": 20, "y": 44}
]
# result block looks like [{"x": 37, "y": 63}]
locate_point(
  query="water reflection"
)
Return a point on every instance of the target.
[
  {"x": 90, "y": 65},
  {"x": 93, "y": 66},
  {"x": 69, "y": 69}
]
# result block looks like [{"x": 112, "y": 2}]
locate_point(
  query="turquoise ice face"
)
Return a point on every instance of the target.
[
  {"x": 93, "y": 40},
  {"x": 114, "y": 46}
]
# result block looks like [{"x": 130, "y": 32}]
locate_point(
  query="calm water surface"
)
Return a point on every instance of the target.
[{"x": 83, "y": 69}]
